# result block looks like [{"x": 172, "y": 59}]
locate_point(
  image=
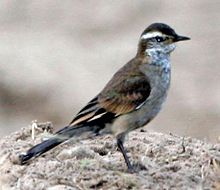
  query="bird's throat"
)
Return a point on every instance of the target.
[{"x": 158, "y": 57}]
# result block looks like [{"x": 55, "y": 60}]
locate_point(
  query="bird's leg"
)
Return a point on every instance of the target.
[{"x": 120, "y": 140}]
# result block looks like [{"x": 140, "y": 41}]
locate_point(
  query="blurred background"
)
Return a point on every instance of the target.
[{"x": 57, "y": 55}]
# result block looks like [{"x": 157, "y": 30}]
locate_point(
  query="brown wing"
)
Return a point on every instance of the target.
[
  {"x": 126, "y": 95},
  {"x": 125, "y": 92},
  {"x": 123, "y": 97}
]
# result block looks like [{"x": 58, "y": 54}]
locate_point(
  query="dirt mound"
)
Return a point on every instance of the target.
[{"x": 161, "y": 162}]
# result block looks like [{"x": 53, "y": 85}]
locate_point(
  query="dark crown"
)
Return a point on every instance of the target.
[
  {"x": 146, "y": 41},
  {"x": 160, "y": 27}
]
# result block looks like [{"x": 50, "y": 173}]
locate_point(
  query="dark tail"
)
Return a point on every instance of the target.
[{"x": 60, "y": 137}]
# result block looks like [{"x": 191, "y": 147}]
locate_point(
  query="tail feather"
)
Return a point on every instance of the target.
[
  {"x": 39, "y": 149},
  {"x": 60, "y": 137}
]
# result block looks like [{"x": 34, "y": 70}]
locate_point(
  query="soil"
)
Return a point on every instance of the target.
[{"x": 161, "y": 161}]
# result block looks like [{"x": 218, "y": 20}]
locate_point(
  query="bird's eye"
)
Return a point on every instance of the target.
[{"x": 159, "y": 39}]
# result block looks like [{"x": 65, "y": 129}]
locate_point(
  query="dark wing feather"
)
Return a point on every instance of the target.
[
  {"x": 88, "y": 114},
  {"x": 126, "y": 96},
  {"x": 126, "y": 91}
]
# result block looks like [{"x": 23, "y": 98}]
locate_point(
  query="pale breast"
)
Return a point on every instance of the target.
[{"x": 158, "y": 74}]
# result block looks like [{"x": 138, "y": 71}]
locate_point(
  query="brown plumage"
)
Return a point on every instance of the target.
[
  {"x": 132, "y": 97},
  {"x": 127, "y": 89}
]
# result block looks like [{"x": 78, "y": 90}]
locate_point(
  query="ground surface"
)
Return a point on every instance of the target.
[{"x": 161, "y": 162}]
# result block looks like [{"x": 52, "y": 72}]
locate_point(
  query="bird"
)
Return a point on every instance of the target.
[{"x": 130, "y": 100}]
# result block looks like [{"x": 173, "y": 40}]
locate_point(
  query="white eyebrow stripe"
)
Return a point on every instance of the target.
[{"x": 151, "y": 35}]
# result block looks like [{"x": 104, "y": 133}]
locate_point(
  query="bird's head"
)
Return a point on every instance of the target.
[{"x": 159, "y": 37}]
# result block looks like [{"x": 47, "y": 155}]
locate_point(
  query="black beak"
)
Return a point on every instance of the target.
[{"x": 180, "y": 38}]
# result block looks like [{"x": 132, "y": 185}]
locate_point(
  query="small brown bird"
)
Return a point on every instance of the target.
[{"x": 130, "y": 100}]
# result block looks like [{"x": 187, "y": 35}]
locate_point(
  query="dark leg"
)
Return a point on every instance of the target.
[{"x": 120, "y": 140}]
